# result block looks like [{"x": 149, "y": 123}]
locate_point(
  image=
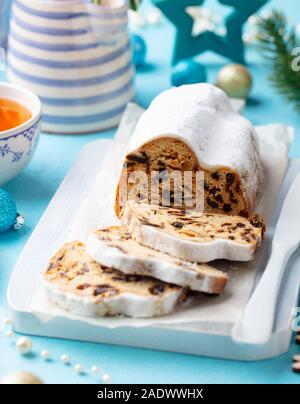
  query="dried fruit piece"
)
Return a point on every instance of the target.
[
  {"x": 157, "y": 289},
  {"x": 212, "y": 203},
  {"x": 178, "y": 225},
  {"x": 230, "y": 178},
  {"x": 83, "y": 286},
  {"x": 227, "y": 207},
  {"x": 216, "y": 175},
  {"x": 141, "y": 158}
]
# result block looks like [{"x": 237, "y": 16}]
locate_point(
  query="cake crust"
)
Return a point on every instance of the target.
[
  {"x": 162, "y": 160},
  {"x": 192, "y": 235},
  {"x": 113, "y": 247},
  {"x": 75, "y": 282},
  {"x": 194, "y": 128}
]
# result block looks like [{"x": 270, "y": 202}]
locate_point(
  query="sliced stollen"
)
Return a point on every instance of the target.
[
  {"x": 75, "y": 282},
  {"x": 114, "y": 248},
  {"x": 192, "y": 129},
  {"x": 192, "y": 235}
]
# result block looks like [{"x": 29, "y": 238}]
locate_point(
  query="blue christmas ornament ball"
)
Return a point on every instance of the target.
[
  {"x": 188, "y": 72},
  {"x": 139, "y": 50},
  {"x": 8, "y": 211}
]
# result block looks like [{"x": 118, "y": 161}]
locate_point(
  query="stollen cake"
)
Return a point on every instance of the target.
[
  {"x": 77, "y": 283},
  {"x": 192, "y": 235},
  {"x": 114, "y": 248},
  {"x": 192, "y": 128}
]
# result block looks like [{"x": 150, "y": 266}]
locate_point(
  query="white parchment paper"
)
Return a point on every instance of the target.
[{"x": 213, "y": 314}]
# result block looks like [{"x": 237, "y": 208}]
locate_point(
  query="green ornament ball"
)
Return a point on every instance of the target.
[
  {"x": 8, "y": 211},
  {"x": 188, "y": 72},
  {"x": 235, "y": 80}
]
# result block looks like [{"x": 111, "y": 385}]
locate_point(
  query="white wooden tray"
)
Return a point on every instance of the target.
[{"x": 183, "y": 338}]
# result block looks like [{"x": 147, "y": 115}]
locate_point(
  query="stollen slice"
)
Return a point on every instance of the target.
[
  {"x": 192, "y": 235},
  {"x": 114, "y": 247},
  {"x": 75, "y": 282}
]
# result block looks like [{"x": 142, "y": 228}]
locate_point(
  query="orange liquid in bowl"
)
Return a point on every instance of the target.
[{"x": 12, "y": 114}]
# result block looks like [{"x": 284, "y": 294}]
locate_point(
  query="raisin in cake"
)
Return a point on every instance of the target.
[
  {"x": 192, "y": 235},
  {"x": 114, "y": 248},
  {"x": 77, "y": 283},
  {"x": 193, "y": 128}
]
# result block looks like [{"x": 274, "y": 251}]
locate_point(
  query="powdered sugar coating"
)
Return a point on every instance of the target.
[
  {"x": 114, "y": 248},
  {"x": 201, "y": 115}
]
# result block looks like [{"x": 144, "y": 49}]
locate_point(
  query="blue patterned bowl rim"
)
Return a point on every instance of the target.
[
  {"x": 36, "y": 117},
  {"x": 30, "y": 135}
]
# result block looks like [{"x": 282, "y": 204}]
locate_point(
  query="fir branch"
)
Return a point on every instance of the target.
[
  {"x": 133, "y": 4},
  {"x": 277, "y": 43}
]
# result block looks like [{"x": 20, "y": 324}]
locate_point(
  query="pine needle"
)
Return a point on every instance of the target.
[
  {"x": 277, "y": 43},
  {"x": 133, "y": 4}
]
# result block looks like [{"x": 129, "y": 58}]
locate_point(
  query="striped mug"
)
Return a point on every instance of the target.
[{"x": 75, "y": 56}]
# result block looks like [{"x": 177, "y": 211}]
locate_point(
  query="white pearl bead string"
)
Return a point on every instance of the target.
[
  {"x": 7, "y": 321},
  {"x": 106, "y": 378},
  {"x": 79, "y": 369},
  {"x": 24, "y": 346},
  {"x": 9, "y": 334},
  {"x": 45, "y": 354},
  {"x": 65, "y": 359},
  {"x": 95, "y": 370}
]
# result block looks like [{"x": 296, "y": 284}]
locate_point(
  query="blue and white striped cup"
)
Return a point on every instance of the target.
[{"x": 75, "y": 56}]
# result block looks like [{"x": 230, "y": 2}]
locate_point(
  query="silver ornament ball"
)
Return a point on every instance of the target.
[
  {"x": 235, "y": 80},
  {"x": 21, "y": 378}
]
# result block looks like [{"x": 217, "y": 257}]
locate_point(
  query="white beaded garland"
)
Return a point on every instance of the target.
[
  {"x": 7, "y": 321},
  {"x": 106, "y": 378},
  {"x": 45, "y": 354},
  {"x": 65, "y": 359},
  {"x": 24, "y": 345},
  {"x": 95, "y": 370},
  {"x": 79, "y": 369}
]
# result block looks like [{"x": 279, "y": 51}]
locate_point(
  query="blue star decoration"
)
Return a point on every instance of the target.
[{"x": 229, "y": 45}]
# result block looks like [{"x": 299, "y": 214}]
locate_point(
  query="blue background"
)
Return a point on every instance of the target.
[{"x": 34, "y": 188}]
